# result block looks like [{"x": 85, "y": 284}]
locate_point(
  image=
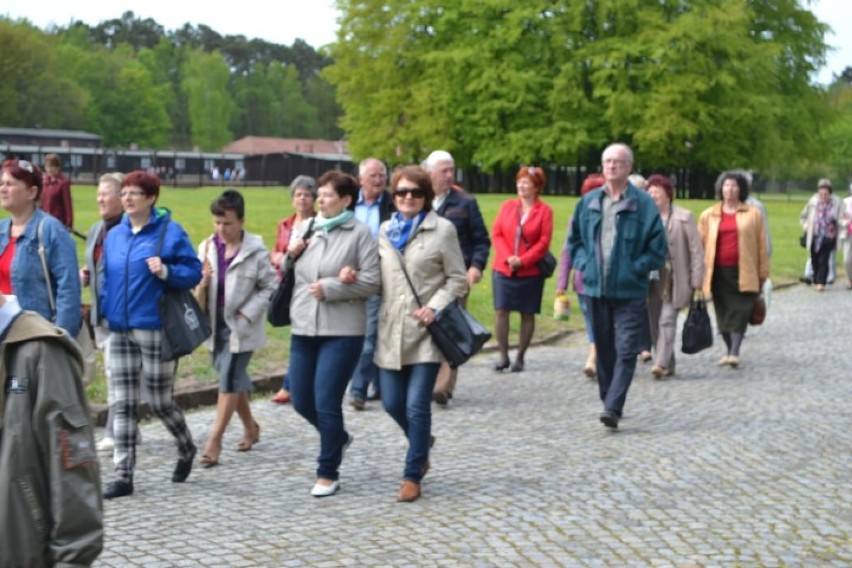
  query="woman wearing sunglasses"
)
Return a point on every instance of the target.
[{"x": 417, "y": 248}]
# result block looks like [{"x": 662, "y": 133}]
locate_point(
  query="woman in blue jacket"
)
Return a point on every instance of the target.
[
  {"x": 21, "y": 235},
  {"x": 143, "y": 255}
]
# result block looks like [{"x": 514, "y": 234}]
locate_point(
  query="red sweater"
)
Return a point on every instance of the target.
[
  {"x": 56, "y": 199},
  {"x": 535, "y": 236}
]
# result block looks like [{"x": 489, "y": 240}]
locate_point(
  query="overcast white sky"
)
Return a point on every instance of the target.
[{"x": 315, "y": 20}]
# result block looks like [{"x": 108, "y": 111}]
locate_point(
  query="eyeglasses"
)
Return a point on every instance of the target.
[
  {"x": 615, "y": 161},
  {"x": 132, "y": 194},
  {"x": 25, "y": 165},
  {"x": 414, "y": 192}
]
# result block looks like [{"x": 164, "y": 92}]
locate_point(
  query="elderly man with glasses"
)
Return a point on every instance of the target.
[{"x": 617, "y": 238}]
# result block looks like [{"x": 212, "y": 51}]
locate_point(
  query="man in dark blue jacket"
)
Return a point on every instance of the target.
[
  {"x": 374, "y": 207},
  {"x": 617, "y": 238},
  {"x": 454, "y": 204}
]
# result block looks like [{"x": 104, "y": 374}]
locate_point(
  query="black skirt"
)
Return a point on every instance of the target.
[
  {"x": 733, "y": 308},
  {"x": 517, "y": 294}
]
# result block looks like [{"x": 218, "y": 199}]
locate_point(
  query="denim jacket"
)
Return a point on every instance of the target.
[
  {"x": 641, "y": 245},
  {"x": 28, "y": 275}
]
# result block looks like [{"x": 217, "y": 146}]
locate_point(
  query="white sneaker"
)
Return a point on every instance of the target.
[{"x": 106, "y": 445}]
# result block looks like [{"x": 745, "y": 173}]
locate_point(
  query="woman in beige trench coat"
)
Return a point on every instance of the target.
[{"x": 681, "y": 276}]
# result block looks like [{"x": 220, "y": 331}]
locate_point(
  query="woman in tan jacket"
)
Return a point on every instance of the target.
[
  {"x": 420, "y": 243},
  {"x": 679, "y": 278},
  {"x": 735, "y": 261}
]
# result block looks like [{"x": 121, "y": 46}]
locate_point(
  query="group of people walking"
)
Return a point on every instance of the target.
[
  {"x": 373, "y": 266},
  {"x": 642, "y": 259}
]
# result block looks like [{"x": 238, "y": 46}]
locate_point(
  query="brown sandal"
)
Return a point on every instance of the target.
[
  {"x": 244, "y": 445},
  {"x": 210, "y": 458}
]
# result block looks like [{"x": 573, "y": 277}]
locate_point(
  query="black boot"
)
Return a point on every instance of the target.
[{"x": 118, "y": 488}]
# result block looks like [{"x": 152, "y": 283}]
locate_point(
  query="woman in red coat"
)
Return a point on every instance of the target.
[{"x": 521, "y": 236}]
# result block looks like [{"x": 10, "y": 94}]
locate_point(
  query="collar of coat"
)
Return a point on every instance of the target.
[{"x": 628, "y": 202}]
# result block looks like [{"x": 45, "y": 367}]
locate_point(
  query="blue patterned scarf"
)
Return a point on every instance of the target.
[{"x": 400, "y": 230}]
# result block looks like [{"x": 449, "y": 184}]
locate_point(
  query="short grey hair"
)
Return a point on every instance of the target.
[
  {"x": 362, "y": 167},
  {"x": 303, "y": 182},
  {"x": 113, "y": 178},
  {"x": 621, "y": 145},
  {"x": 435, "y": 158}
]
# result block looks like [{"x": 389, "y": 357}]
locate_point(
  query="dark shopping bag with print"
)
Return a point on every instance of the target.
[
  {"x": 697, "y": 329},
  {"x": 185, "y": 326}
]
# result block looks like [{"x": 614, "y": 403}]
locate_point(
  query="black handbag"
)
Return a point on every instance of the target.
[
  {"x": 803, "y": 240},
  {"x": 185, "y": 326},
  {"x": 697, "y": 329},
  {"x": 458, "y": 335},
  {"x": 278, "y": 312},
  {"x": 547, "y": 265}
]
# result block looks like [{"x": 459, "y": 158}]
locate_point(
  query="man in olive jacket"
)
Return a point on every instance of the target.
[
  {"x": 51, "y": 513},
  {"x": 617, "y": 238}
]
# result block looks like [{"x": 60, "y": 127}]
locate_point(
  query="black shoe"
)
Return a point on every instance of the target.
[
  {"x": 119, "y": 488},
  {"x": 807, "y": 281},
  {"x": 440, "y": 397},
  {"x": 517, "y": 367},
  {"x": 609, "y": 419},
  {"x": 502, "y": 366},
  {"x": 183, "y": 468}
]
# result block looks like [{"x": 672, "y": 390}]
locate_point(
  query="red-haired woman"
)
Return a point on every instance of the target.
[
  {"x": 681, "y": 276},
  {"x": 592, "y": 181},
  {"x": 521, "y": 236},
  {"x": 143, "y": 255},
  {"x": 52, "y": 287}
]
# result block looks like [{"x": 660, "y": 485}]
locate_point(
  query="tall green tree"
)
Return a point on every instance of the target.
[
  {"x": 211, "y": 108},
  {"x": 36, "y": 91},
  {"x": 714, "y": 83}
]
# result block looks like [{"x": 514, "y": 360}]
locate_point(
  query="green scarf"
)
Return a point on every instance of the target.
[{"x": 327, "y": 225}]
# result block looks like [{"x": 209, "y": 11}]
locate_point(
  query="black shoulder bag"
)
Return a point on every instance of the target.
[
  {"x": 185, "y": 326},
  {"x": 456, "y": 333},
  {"x": 278, "y": 313}
]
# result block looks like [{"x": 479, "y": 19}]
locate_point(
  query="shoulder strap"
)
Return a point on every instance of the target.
[
  {"x": 162, "y": 237},
  {"x": 407, "y": 277},
  {"x": 42, "y": 256}
]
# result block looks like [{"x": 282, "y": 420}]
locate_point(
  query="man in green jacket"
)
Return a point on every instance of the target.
[
  {"x": 51, "y": 513},
  {"x": 617, "y": 238}
]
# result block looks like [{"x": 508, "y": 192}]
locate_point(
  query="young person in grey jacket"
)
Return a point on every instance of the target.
[{"x": 51, "y": 513}]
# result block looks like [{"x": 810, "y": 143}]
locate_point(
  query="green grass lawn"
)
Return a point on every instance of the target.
[{"x": 267, "y": 205}]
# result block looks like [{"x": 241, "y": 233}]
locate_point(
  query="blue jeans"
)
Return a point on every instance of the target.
[
  {"x": 320, "y": 368},
  {"x": 367, "y": 372},
  {"x": 584, "y": 302},
  {"x": 620, "y": 328},
  {"x": 407, "y": 397}
]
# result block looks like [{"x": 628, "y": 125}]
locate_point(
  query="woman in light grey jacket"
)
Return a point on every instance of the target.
[
  {"x": 238, "y": 279},
  {"x": 337, "y": 269},
  {"x": 682, "y": 275},
  {"x": 408, "y": 359}
]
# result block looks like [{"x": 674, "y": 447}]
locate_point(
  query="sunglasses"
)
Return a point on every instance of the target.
[
  {"x": 25, "y": 165},
  {"x": 414, "y": 192}
]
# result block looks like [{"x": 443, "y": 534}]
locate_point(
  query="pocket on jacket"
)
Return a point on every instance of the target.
[{"x": 75, "y": 439}]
